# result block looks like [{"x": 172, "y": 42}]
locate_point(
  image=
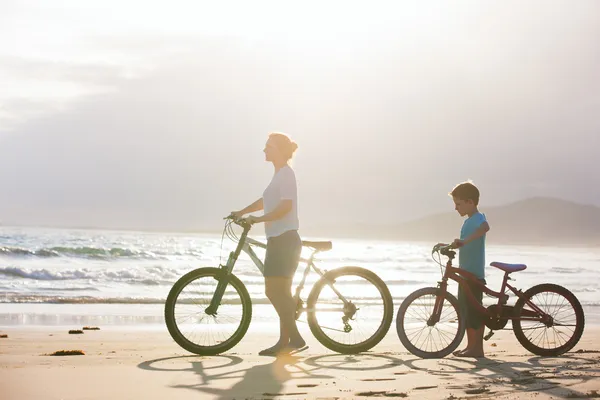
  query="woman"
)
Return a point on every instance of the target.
[{"x": 279, "y": 202}]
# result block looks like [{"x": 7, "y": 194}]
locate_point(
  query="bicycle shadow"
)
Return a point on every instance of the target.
[
  {"x": 537, "y": 374},
  {"x": 353, "y": 362},
  {"x": 264, "y": 379}
]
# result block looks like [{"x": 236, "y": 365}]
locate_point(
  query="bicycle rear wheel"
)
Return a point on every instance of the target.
[
  {"x": 361, "y": 322},
  {"x": 560, "y": 332},
  {"x": 415, "y": 332},
  {"x": 195, "y": 330}
]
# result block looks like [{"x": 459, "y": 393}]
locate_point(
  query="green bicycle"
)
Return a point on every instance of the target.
[{"x": 208, "y": 310}]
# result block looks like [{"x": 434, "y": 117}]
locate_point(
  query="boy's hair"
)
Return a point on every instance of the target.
[{"x": 466, "y": 191}]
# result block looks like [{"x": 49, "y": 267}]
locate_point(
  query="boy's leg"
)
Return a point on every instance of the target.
[
  {"x": 478, "y": 340},
  {"x": 475, "y": 326},
  {"x": 463, "y": 303}
]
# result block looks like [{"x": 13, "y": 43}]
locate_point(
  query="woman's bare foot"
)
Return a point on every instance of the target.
[
  {"x": 294, "y": 347},
  {"x": 273, "y": 350},
  {"x": 297, "y": 343}
]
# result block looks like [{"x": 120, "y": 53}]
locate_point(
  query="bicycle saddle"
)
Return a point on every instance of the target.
[
  {"x": 508, "y": 267},
  {"x": 319, "y": 246}
]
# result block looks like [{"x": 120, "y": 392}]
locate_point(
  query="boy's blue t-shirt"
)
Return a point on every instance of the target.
[{"x": 471, "y": 257}]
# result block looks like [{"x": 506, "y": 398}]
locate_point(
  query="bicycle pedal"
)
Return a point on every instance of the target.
[{"x": 488, "y": 336}]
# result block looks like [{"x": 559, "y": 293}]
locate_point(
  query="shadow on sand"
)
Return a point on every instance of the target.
[
  {"x": 262, "y": 379},
  {"x": 553, "y": 376}
]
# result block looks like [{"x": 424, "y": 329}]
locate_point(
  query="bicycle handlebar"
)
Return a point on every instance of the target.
[
  {"x": 238, "y": 221},
  {"x": 443, "y": 249}
]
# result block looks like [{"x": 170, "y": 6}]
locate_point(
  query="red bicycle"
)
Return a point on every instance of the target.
[{"x": 547, "y": 319}]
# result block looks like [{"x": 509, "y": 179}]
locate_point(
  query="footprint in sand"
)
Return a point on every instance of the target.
[
  {"x": 477, "y": 391},
  {"x": 381, "y": 394},
  {"x": 378, "y": 379}
]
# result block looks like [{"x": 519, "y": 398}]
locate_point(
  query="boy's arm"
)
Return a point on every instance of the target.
[{"x": 479, "y": 232}]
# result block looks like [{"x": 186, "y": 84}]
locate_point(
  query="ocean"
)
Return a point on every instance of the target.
[{"x": 76, "y": 276}]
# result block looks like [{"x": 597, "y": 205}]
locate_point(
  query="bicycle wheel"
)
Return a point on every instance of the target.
[
  {"x": 563, "y": 329},
  {"x": 417, "y": 336},
  {"x": 359, "y": 324},
  {"x": 195, "y": 330}
]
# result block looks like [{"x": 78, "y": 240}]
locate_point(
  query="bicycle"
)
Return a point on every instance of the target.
[
  {"x": 208, "y": 310},
  {"x": 439, "y": 319}
]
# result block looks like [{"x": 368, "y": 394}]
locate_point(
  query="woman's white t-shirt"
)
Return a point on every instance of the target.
[{"x": 282, "y": 187}]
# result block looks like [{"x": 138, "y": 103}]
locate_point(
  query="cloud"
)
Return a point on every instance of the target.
[{"x": 386, "y": 125}]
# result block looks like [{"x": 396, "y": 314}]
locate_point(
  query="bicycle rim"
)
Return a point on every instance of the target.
[
  {"x": 421, "y": 339},
  {"x": 567, "y": 320},
  {"x": 359, "y": 324},
  {"x": 195, "y": 330}
]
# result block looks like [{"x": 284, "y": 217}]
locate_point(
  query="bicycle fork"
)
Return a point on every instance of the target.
[
  {"x": 225, "y": 270},
  {"x": 439, "y": 302}
]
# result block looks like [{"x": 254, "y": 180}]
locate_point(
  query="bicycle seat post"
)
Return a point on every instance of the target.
[{"x": 306, "y": 271}]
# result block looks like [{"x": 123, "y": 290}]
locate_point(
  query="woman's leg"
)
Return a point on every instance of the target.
[
  {"x": 271, "y": 291},
  {"x": 281, "y": 261},
  {"x": 279, "y": 292}
]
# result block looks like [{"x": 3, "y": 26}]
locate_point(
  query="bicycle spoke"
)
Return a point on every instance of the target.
[
  {"x": 414, "y": 319},
  {"x": 561, "y": 325},
  {"x": 191, "y": 318},
  {"x": 367, "y": 317}
]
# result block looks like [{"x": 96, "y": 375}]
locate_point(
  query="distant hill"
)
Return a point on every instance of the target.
[{"x": 536, "y": 220}]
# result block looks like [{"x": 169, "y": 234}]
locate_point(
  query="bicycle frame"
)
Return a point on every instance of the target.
[
  {"x": 464, "y": 277},
  {"x": 245, "y": 244}
]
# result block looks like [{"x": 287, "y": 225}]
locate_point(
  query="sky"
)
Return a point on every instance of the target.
[{"x": 153, "y": 115}]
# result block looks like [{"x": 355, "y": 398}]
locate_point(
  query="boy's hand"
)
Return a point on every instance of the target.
[{"x": 457, "y": 243}]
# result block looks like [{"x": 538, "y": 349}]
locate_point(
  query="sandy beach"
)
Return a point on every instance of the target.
[{"x": 124, "y": 362}]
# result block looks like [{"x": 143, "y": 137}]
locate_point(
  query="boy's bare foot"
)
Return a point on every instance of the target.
[
  {"x": 470, "y": 353},
  {"x": 458, "y": 353}
]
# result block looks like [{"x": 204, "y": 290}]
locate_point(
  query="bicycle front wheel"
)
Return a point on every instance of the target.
[
  {"x": 421, "y": 336},
  {"x": 205, "y": 333},
  {"x": 350, "y": 309},
  {"x": 562, "y": 328}
]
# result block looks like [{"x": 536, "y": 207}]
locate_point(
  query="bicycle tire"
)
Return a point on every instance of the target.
[
  {"x": 526, "y": 340},
  {"x": 382, "y": 289},
  {"x": 454, "y": 342},
  {"x": 171, "y": 321}
]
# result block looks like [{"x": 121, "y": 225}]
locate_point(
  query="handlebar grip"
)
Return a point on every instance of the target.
[{"x": 439, "y": 247}]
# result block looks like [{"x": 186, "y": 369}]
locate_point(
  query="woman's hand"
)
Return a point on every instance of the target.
[
  {"x": 236, "y": 214},
  {"x": 253, "y": 219}
]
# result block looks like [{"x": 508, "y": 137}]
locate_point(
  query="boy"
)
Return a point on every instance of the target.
[{"x": 471, "y": 258}]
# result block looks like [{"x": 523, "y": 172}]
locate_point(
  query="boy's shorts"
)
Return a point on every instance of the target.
[{"x": 473, "y": 318}]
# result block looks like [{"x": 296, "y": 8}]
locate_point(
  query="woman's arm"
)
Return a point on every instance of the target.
[
  {"x": 256, "y": 206},
  {"x": 284, "y": 207}
]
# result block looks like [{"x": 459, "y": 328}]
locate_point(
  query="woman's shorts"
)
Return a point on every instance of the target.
[{"x": 283, "y": 254}]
